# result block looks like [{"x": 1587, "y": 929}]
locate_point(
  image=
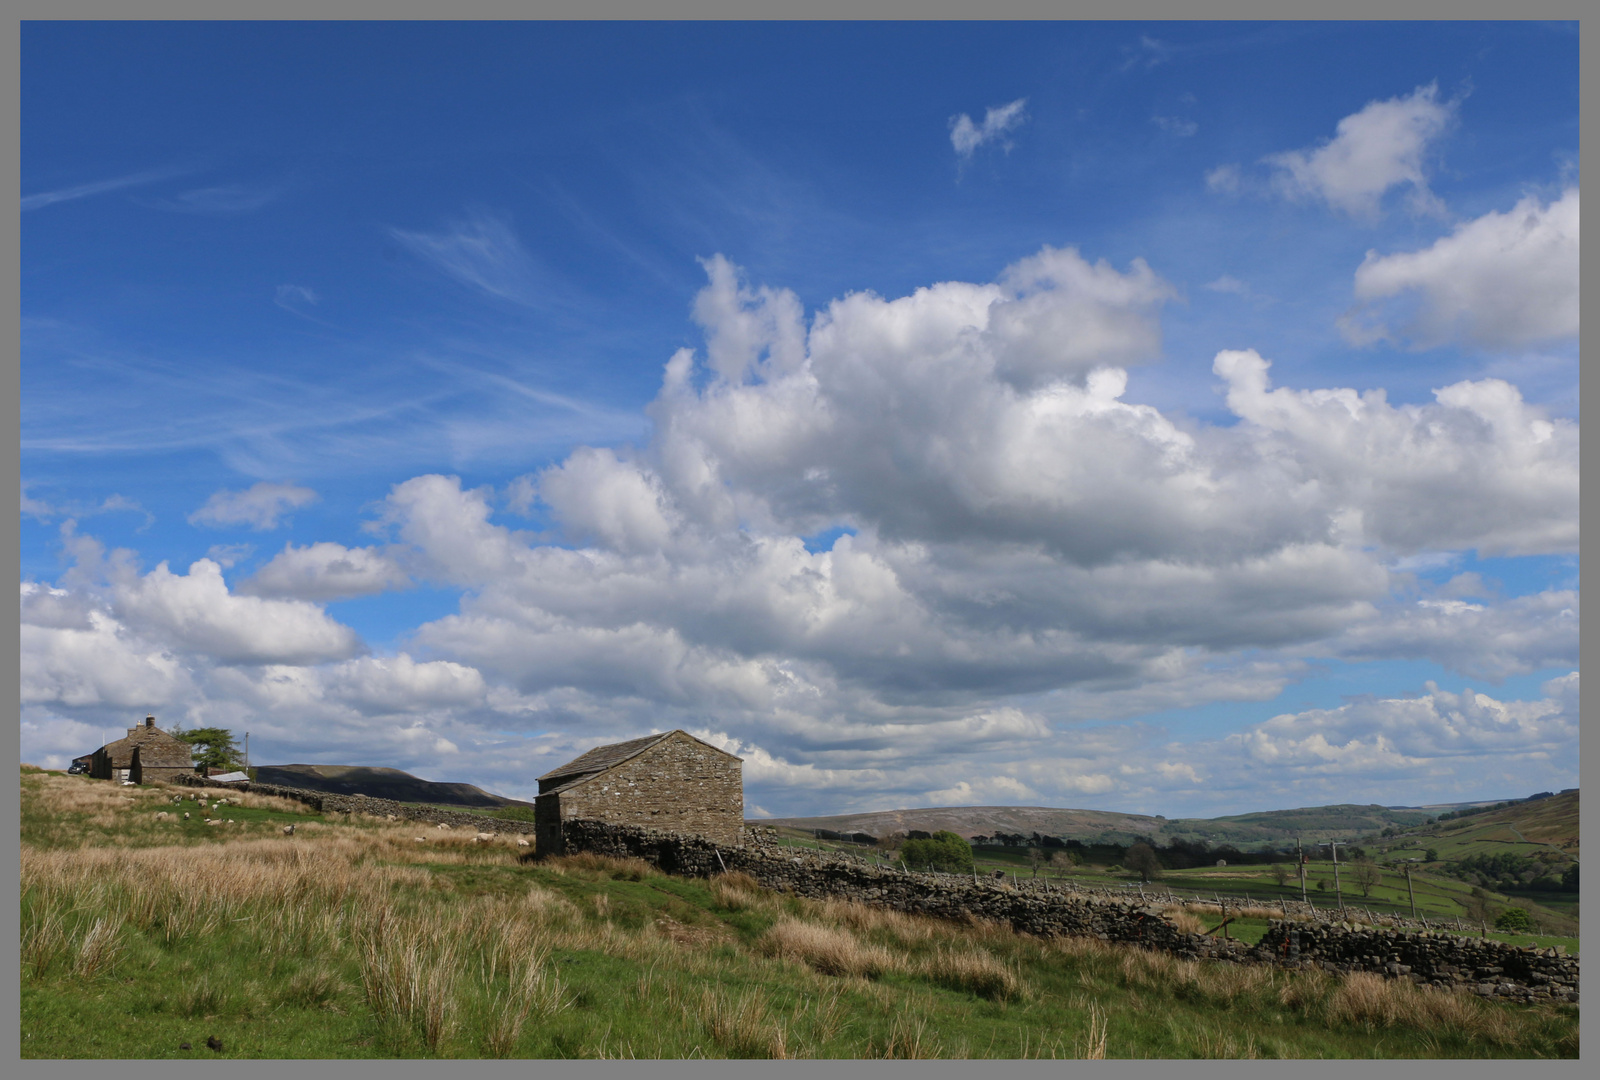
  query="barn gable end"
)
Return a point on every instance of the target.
[{"x": 672, "y": 781}]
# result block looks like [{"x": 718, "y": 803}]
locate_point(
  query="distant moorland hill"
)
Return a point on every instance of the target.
[
  {"x": 1309, "y": 824},
  {"x": 379, "y": 783}
]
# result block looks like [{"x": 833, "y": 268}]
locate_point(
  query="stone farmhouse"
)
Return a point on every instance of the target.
[
  {"x": 147, "y": 753},
  {"x": 672, "y": 782}
]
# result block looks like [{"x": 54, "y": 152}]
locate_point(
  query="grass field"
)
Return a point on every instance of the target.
[{"x": 353, "y": 939}]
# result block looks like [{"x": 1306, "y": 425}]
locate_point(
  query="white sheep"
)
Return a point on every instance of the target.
[
  {"x": 523, "y": 843},
  {"x": 186, "y": 815},
  {"x": 214, "y": 821},
  {"x": 288, "y": 830},
  {"x": 162, "y": 816},
  {"x": 442, "y": 825},
  {"x": 422, "y": 839},
  {"x": 483, "y": 838}
]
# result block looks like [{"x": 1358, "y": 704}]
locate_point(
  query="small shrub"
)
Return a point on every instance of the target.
[{"x": 1513, "y": 919}]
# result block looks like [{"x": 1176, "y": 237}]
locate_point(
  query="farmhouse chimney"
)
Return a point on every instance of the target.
[{"x": 149, "y": 722}]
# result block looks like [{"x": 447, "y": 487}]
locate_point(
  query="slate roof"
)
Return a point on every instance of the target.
[
  {"x": 602, "y": 758},
  {"x": 158, "y": 749}
]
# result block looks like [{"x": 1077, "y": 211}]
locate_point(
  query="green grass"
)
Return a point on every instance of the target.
[{"x": 283, "y": 947}]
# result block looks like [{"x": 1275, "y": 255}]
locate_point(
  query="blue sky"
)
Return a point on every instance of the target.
[{"x": 1178, "y": 418}]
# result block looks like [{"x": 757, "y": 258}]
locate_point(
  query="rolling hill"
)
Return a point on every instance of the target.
[
  {"x": 379, "y": 783},
  {"x": 1311, "y": 824}
]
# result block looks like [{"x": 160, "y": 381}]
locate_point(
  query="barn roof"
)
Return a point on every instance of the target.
[
  {"x": 602, "y": 758},
  {"x": 159, "y": 748}
]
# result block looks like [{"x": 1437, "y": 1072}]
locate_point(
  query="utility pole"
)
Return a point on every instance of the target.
[
  {"x": 1300, "y": 862},
  {"x": 247, "y": 756},
  {"x": 1333, "y": 846},
  {"x": 1411, "y": 892}
]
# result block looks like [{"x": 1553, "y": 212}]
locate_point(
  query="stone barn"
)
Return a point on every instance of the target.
[
  {"x": 147, "y": 753},
  {"x": 673, "y": 782}
]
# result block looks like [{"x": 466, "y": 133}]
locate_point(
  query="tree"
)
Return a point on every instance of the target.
[
  {"x": 1280, "y": 873},
  {"x": 1569, "y": 880},
  {"x": 1431, "y": 855},
  {"x": 1513, "y": 918},
  {"x": 214, "y": 748},
  {"x": 1367, "y": 875},
  {"x": 1142, "y": 861},
  {"x": 942, "y": 850}
]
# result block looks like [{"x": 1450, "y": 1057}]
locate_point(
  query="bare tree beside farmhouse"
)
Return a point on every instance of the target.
[{"x": 1367, "y": 875}]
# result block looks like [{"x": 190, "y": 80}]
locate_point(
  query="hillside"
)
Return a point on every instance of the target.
[
  {"x": 1311, "y": 824},
  {"x": 1529, "y": 828},
  {"x": 379, "y": 783}
]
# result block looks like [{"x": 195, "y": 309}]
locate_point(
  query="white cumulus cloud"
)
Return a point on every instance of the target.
[
  {"x": 1504, "y": 280},
  {"x": 325, "y": 571},
  {"x": 1385, "y": 145},
  {"x": 260, "y": 506}
]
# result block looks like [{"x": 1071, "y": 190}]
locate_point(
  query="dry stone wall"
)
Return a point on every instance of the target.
[
  {"x": 328, "y": 803},
  {"x": 1480, "y": 965},
  {"x": 1488, "y": 968}
]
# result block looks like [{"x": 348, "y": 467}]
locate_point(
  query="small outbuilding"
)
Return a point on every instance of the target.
[
  {"x": 672, "y": 781},
  {"x": 147, "y": 753}
]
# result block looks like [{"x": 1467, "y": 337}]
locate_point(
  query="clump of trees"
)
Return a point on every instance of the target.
[
  {"x": 214, "y": 748},
  {"x": 943, "y": 850},
  {"x": 1508, "y": 870}
]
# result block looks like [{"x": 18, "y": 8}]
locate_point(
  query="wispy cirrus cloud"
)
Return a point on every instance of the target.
[
  {"x": 42, "y": 199},
  {"x": 224, "y": 200},
  {"x": 44, "y": 511},
  {"x": 480, "y": 250}
]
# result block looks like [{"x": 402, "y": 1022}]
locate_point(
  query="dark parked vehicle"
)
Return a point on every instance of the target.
[{"x": 77, "y": 768}]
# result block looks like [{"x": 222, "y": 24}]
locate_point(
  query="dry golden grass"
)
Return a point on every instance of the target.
[
  {"x": 975, "y": 971},
  {"x": 1093, "y": 1045},
  {"x": 1213, "y": 912},
  {"x": 865, "y": 919},
  {"x": 829, "y": 950},
  {"x": 1368, "y": 999},
  {"x": 742, "y": 1026},
  {"x": 1185, "y": 920},
  {"x": 909, "y": 1039}
]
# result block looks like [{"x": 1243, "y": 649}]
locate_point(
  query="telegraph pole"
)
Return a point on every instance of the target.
[
  {"x": 1300, "y": 864},
  {"x": 1411, "y": 892},
  {"x": 1333, "y": 846}
]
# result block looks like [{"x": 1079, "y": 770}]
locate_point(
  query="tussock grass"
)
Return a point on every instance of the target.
[
  {"x": 741, "y": 1025},
  {"x": 975, "y": 971},
  {"x": 827, "y": 949}
]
